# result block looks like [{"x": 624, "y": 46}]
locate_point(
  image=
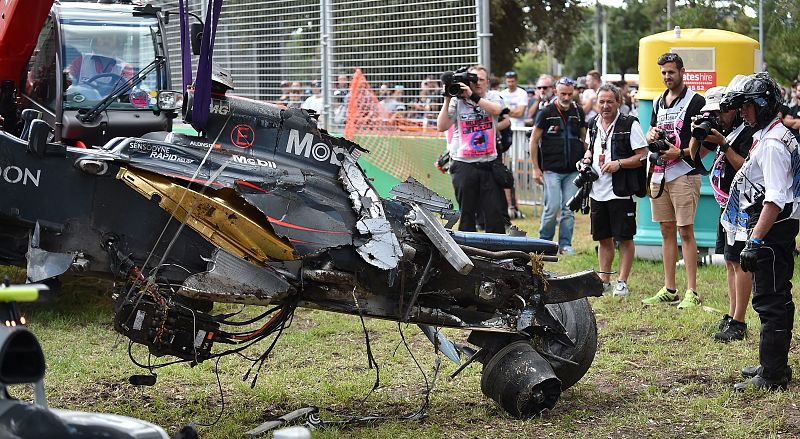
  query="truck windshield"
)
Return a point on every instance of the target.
[{"x": 101, "y": 53}]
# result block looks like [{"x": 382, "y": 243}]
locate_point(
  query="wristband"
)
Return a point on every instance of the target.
[
  {"x": 758, "y": 241},
  {"x": 682, "y": 153},
  {"x": 619, "y": 163},
  {"x": 475, "y": 97},
  {"x": 724, "y": 147}
]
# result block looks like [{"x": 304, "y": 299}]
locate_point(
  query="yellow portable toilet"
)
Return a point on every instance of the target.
[{"x": 711, "y": 57}]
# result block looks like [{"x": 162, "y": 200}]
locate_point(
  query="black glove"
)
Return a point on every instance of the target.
[{"x": 749, "y": 256}]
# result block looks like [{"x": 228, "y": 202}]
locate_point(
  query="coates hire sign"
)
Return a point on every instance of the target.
[
  {"x": 701, "y": 67},
  {"x": 700, "y": 81}
]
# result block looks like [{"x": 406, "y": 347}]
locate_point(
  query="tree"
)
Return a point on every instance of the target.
[{"x": 517, "y": 23}]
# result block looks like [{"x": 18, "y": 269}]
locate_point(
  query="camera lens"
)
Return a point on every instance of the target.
[{"x": 453, "y": 89}]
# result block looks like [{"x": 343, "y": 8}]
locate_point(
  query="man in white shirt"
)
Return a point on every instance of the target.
[
  {"x": 763, "y": 201},
  {"x": 516, "y": 99},
  {"x": 314, "y": 102},
  {"x": 589, "y": 96},
  {"x": 616, "y": 147}
]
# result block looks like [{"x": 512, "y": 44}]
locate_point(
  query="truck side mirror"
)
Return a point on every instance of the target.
[{"x": 196, "y": 33}]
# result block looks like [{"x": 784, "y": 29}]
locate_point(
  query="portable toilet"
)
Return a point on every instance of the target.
[{"x": 711, "y": 57}]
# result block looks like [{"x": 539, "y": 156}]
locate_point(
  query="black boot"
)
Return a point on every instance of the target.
[
  {"x": 750, "y": 372},
  {"x": 760, "y": 383},
  {"x": 773, "y": 354},
  {"x": 734, "y": 330}
]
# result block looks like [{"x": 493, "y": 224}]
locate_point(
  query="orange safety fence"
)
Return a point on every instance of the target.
[{"x": 399, "y": 146}]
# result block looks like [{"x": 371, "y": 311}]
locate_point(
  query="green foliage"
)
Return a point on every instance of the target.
[
  {"x": 513, "y": 29},
  {"x": 580, "y": 58},
  {"x": 529, "y": 67}
]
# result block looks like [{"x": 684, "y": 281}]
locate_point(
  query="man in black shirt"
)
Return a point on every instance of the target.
[
  {"x": 561, "y": 128},
  {"x": 675, "y": 182}
]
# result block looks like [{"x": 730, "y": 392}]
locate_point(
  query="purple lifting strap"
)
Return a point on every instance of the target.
[{"x": 202, "y": 83}]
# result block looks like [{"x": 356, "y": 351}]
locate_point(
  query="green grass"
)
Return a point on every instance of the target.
[{"x": 657, "y": 373}]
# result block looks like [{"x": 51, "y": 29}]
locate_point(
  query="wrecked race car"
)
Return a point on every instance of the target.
[{"x": 266, "y": 209}]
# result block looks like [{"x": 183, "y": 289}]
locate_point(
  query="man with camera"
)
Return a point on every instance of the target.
[
  {"x": 675, "y": 182},
  {"x": 763, "y": 204},
  {"x": 561, "y": 128},
  {"x": 726, "y": 133},
  {"x": 614, "y": 161},
  {"x": 472, "y": 145}
]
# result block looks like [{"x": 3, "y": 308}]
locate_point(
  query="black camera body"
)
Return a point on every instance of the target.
[
  {"x": 703, "y": 124},
  {"x": 451, "y": 81},
  {"x": 660, "y": 144},
  {"x": 585, "y": 175},
  {"x": 580, "y": 201}
]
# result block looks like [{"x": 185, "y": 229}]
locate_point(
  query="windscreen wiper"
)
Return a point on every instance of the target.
[{"x": 92, "y": 114}]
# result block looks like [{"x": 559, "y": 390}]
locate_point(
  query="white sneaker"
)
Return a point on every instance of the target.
[
  {"x": 621, "y": 289},
  {"x": 606, "y": 287}
]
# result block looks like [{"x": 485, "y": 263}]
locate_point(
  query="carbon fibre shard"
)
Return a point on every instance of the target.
[
  {"x": 381, "y": 249},
  {"x": 231, "y": 279},
  {"x": 573, "y": 287},
  {"x": 43, "y": 264},
  {"x": 440, "y": 238},
  {"x": 412, "y": 191}
]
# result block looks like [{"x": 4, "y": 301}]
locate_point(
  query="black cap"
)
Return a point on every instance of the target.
[{"x": 511, "y": 74}]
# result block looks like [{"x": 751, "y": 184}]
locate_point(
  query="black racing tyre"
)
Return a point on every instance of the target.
[{"x": 578, "y": 319}]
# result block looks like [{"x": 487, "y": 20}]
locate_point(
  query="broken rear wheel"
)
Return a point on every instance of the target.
[
  {"x": 520, "y": 380},
  {"x": 578, "y": 320}
]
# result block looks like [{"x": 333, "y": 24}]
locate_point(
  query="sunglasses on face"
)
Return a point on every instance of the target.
[{"x": 543, "y": 87}]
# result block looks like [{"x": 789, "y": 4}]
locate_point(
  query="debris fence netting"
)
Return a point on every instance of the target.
[{"x": 398, "y": 145}]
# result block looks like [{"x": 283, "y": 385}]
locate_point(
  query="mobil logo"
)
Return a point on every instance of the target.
[{"x": 306, "y": 147}]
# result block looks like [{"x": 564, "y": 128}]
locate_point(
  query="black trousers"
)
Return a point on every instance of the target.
[
  {"x": 772, "y": 297},
  {"x": 476, "y": 191}
]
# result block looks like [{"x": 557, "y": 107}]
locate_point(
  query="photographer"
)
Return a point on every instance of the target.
[
  {"x": 616, "y": 148},
  {"x": 762, "y": 203},
  {"x": 675, "y": 186},
  {"x": 726, "y": 133},
  {"x": 471, "y": 144}
]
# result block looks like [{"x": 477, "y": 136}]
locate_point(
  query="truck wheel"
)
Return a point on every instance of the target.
[
  {"x": 520, "y": 380},
  {"x": 578, "y": 319}
]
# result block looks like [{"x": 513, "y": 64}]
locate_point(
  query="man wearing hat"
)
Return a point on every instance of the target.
[
  {"x": 515, "y": 99},
  {"x": 731, "y": 142}
]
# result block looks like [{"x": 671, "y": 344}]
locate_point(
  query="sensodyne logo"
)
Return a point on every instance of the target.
[
  {"x": 23, "y": 176},
  {"x": 306, "y": 148}
]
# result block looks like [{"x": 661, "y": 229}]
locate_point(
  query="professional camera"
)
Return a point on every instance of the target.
[
  {"x": 703, "y": 124},
  {"x": 660, "y": 144},
  {"x": 580, "y": 201},
  {"x": 451, "y": 81},
  {"x": 585, "y": 175}
]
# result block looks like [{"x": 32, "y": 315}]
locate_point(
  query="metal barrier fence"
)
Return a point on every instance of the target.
[
  {"x": 518, "y": 159},
  {"x": 275, "y": 49}
]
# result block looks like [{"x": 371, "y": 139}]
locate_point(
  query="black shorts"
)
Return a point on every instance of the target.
[
  {"x": 613, "y": 219},
  {"x": 731, "y": 252}
]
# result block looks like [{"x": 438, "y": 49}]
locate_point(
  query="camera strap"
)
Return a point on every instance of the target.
[{"x": 650, "y": 179}]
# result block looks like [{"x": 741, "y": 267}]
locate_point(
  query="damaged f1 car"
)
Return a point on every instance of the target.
[{"x": 266, "y": 209}]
